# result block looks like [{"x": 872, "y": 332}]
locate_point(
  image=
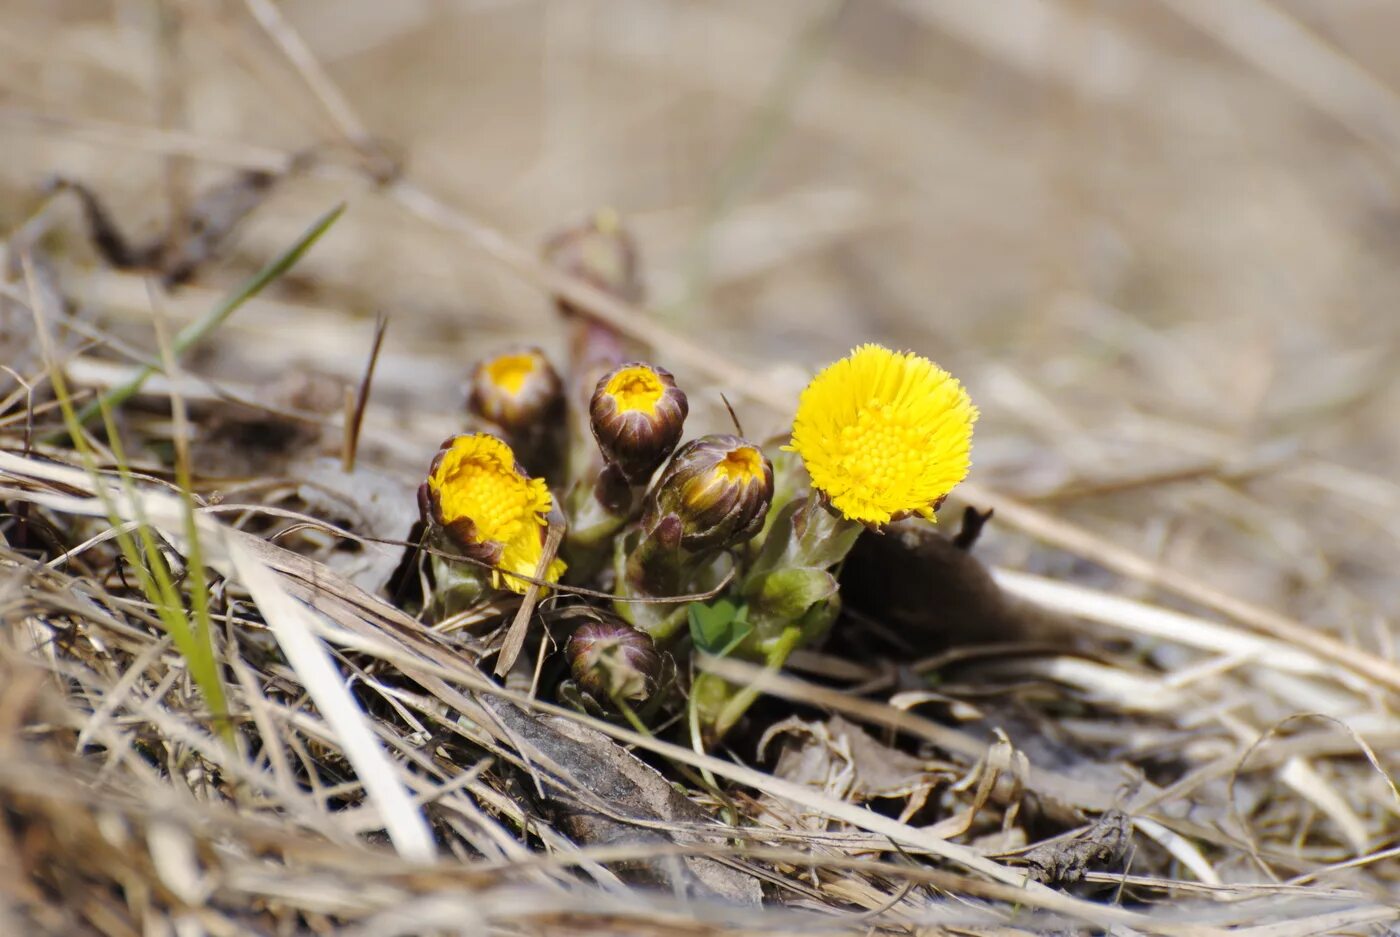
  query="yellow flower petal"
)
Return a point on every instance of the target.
[{"x": 884, "y": 434}]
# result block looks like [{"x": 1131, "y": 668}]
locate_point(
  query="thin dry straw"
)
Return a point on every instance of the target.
[{"x": 291, "y": 622}]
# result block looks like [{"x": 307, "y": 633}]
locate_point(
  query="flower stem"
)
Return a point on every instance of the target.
[{"x": 739, "y": 703}]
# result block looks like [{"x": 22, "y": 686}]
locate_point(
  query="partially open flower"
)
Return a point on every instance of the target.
[
  {"x": 516, "y": 390},
  {"x": 884, "y": 435},
  {"x": 719, "y": 487},
  {"x": 637, "y": 414},
  {"x": 490, "y": 508},
  {"x": 613, "y": 660}
]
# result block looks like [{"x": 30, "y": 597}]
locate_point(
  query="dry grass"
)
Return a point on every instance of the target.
[{"x": 1156, "y": 241}]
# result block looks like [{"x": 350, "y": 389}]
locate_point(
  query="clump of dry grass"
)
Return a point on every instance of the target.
[{"x": 1169, "y": 755}]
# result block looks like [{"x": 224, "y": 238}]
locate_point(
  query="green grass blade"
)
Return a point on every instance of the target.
[
  {"x": 193, "y": 639},
  {"x": 145, "y": 560},
  {"x": 191, "y": 631}
]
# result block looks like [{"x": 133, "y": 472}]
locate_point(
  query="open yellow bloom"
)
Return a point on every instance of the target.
[
  {"x": 884, "y": 434},
  {"x": 497, "y": 513}
]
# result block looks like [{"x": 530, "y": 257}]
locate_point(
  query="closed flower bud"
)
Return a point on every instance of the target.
[
  {"x": 516, "y": 391},
  {"x": 599, "y": 251},
  {"x": 719, "y": 487},
  {"x": 611, "y": 660},
  {"x": 637, "y": 414}
]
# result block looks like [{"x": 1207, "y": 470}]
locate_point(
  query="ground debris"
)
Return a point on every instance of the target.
[
  {"x": 372, "y": 503},
  {"x": 846, "y": 762},
  {"x": 1066, "y": 861},
  {"x": 615, "y": 798},
  {"x": 192, "y": 241}
]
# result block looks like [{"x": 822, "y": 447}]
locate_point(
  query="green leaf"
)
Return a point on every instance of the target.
[
  {"x": 708, "y": 623},
  {"x": 718, "y": 628},
  {"x": 825, "y": 537},
  {"x": 806, "y": 534}
]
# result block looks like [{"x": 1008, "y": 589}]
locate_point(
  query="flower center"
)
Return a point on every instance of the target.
[
  {"x": 881, "y": 448},
  {"x": 509, "y": 372},
  {"x": 496, "y": 503},
  {"x": 744, "y": 464},
  {"x": 636, "y": 389}
]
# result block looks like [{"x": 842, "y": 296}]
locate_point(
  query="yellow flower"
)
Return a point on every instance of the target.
[
  {"x": 510, "y": 371},
  {"x": 884, "y": 435},
  {"x": 480, "y": 496}
]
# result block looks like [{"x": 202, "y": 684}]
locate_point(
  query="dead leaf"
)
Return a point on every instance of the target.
[
  {"x": 626, "y": 796},
  {"x": 846, "y": 762},
  {"x": 374, "y": 504}
]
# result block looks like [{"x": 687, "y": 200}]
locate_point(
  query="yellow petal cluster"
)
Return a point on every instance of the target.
[
  {"x": 884, "y": 434},
  {"x": 479, "y": 492},
  {"x": 636, "y": 388},
  {"x": 517, "y": 391},
  {"x": 637, "y": 414},
  {"x": 510, "y": 371},
  {"x": 720, "y": 488}
]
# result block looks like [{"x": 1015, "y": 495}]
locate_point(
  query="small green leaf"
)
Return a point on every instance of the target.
[
  {"x": 824, "y": 537},
  {"x": 719, "y": 627},
  {"x": 708, "y": 623}
]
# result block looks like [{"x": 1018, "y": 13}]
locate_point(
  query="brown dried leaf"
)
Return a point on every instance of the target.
[
  {"x": 625, "y": 798},
  {"x": 844, "y": 759}
]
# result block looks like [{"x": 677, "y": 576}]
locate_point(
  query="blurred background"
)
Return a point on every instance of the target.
[{"x": 1157, "y": 241}]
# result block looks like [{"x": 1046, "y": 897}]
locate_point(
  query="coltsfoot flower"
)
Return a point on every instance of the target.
[
  {"x": 516, "y": 390},
  {"x": 884, "y": 435},
  {"x": 490, "y": 508},
  {"x": 637, "y": 414},
  {"x": 611, "y": 659},
  {"x": 719, "y": 487}
]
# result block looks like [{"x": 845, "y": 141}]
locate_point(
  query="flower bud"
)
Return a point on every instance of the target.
[
  {"x": 516, "y": 391},
  {"x": 719, "y": 487},
  {"x": 637, "y": 414},
  {"x": 611, "y": 660},
  {"x": 599, "y": 251}
]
